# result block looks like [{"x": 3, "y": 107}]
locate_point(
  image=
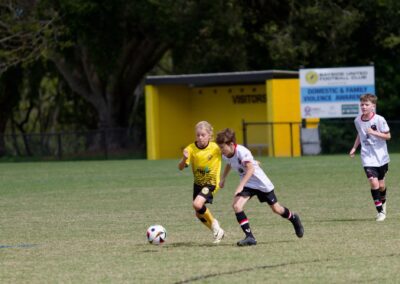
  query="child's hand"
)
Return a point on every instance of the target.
[
  {"x": 238, "y": 190},
  {"x": 371, "y": 130},
  {"x": 352, "y": 152},
  {"x": 222, "y": 183}
]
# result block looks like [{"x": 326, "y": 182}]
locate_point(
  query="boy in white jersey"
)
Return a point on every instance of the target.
[
  {"x": 373, "y": 131},
  {"x": 253, "y": 181}
]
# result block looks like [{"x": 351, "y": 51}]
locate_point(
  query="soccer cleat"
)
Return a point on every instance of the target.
[
  {"x": 217, "y": 231},
  {"x": 248, "y": 241},
  {"x": 219, "y": 236},
  {"x": 298, "y": 227},
  {"x": 380, "y": 216},
  {"x": 384, "y": 208}
]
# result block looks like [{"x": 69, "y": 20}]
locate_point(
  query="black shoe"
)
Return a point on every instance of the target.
[
  {"x": 298, "y": 227},
  {"x": 247, "y": 241}
]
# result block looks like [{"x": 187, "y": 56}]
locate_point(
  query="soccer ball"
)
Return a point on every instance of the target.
[{"x": 156, "y": 234}]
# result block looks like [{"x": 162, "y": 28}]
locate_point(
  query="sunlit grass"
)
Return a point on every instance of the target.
[{"x": 85, "y": 222}]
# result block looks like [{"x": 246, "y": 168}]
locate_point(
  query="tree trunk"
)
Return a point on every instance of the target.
[
  {"x": 9, "y": 95},
  {"x": 113, "y": 97}
]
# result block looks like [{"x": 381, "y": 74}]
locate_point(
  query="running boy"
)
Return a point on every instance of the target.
[
  {"x": 373, "y": 131},
  {"x": 253, "y": 181},
  {"x": 205, "y": 158}
]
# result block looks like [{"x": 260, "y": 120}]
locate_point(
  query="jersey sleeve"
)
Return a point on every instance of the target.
[
  {"x": 245, "y": 156},
  {"x": 383, "y": 126}
]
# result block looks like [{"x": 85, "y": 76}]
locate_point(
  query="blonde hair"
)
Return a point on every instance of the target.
[{"x": 205, "y": 125}]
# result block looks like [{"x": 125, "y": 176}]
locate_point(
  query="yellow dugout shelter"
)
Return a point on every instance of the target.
[{"x": 263, "y": 107}]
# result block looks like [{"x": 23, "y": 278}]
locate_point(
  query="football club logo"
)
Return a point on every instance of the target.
[
  {"x": 311, "y": 77},
  {"x": 205, "y": 190}
]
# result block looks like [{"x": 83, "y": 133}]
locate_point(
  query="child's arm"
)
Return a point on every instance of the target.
[
  {"x": 382, "y": 135},
  {"x": 182, "y": 163},
  {"x": 355, "y": 146},
  {"x": 245, "y": 179},
  {"x": 224, "y": 175}
]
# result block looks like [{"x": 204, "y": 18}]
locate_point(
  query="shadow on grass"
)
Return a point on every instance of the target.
[
  {"x": 262, "y": 267},
  {"x": 347, "y": 220},
  {"x": 206, "y": 245}
]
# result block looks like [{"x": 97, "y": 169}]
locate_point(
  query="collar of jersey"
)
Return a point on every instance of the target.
[
  {"x": 373, "y": 114},
  {"x": 195, "y": 143}
]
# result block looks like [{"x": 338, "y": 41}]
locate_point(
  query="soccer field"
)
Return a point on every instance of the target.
[{"x": 85, "y": 222}]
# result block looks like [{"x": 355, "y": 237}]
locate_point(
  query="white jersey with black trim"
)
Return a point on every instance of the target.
[
  {"x": 259, "y": 179},
  {"x": 374, "y": 152}
]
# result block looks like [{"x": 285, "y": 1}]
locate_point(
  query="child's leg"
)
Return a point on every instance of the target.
[
  {"x": 292, "y": 217},
  {"x": 238, "y": 207},
  {"x": 382, "y": 190},
  {"x": 375, "y": 193},
  {"x": 205, "y": 216},
  {"x": 202, "y": 212},
  {"x": 282, "y": 211},
  {"x": 272, "y": 201}
]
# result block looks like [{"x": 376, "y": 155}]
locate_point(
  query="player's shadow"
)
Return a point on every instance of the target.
[
  {"x": 347, "y": 220},
  {"x": 198, "y": 244},
  {"x": 224, "y": 244},
  {"x": 209, "y": 245}
]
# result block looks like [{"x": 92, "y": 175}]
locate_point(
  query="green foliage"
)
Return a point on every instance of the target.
[
  {"x": 107, "y": 47},
  {"x": 337, "y": 136},
  {"x": 218, "y": 46}
]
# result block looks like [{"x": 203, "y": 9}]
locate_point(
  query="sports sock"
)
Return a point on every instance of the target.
[
  {"x": 287, "y": 214},
  {"x": 376, "y": 196},
  {"x": 244, "y": 223},
  {"x": 383, "y": 195},
  {"x": 205, "y": 216}
]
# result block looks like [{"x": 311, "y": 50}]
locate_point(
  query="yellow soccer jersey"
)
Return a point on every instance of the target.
[{"x": 206, "y": 164}]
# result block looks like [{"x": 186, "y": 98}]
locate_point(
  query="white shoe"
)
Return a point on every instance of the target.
[
  {"x": 384, "y": 207},
  {"x": 217, "y": 231},
  {"x": 219, "y": 236},
  {"x": 380, "y": 216}
]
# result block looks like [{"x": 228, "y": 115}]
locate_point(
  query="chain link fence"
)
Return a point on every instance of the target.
[{"x": 335, "y": 137}]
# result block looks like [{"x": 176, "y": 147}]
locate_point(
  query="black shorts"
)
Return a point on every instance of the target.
[
  {"x": 376, "y": 172},
  {"x": 268, "y": 197},
  {"x": 204, "y": 190}
]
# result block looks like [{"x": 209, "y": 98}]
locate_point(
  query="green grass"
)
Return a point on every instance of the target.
[{"x": 85, "y": 222}]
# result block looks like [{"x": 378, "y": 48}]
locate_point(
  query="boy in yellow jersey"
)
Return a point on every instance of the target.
[{"x": 205, "y": 158}]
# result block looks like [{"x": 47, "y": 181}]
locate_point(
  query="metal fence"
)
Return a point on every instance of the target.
[
  {"x": 333, "y": 137},
  {"x": 103, "y": 144},
  {"x": 257, "y": 134}
]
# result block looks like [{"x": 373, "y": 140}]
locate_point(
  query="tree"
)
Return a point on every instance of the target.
[
  {"x": 103, "y": 48},
  {"x": 289, "y": 34},
  {"x": 10, "y": 82}
]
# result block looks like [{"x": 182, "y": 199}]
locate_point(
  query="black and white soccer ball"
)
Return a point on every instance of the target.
[{"x": 156, "y": 234}]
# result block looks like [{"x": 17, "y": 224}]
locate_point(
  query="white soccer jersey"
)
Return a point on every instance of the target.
[
  {"x": 374, "y": 151},
  {"x": 238, "y": 161}
]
